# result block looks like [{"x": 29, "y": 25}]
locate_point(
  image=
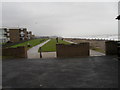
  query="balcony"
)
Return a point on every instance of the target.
[
  {"x": 22, "y": 35},
  {"x": 6, "y": 35}
]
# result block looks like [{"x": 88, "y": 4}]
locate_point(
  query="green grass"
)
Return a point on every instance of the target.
[
  {"x": 7, "y": 57},
  {"x": 2, "y": 43},
  {"x": 51, "y": 45},
  {"x": 33, "y": 43},
  {"x": 98, "y": 50}
]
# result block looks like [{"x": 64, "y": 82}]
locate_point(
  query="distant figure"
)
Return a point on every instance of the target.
[
  {"x": 62, "y": 39},
  {"x": 57, "y": 39},
  {"x": 40, "y": 52}
]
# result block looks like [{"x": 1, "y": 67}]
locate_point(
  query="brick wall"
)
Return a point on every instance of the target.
[
  {"x": 14, "y": 35},
  {"x": 19, "y": 52},
  {"x": 72, "y": 50},
  {"x": 111, "y": 47}
]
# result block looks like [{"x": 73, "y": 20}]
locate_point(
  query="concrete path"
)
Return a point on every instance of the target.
[
  {"x": 33, "y": 52},
  {"x": 95, "y": 53},
  {"x": 70, "y": 42},
  {"x": 48, "y": 55}
]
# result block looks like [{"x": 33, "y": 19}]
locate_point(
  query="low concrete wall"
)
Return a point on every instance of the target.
[
  {"x": 72, "y": 50},
  {"x": 19, "y": 52},
  {"x": 111, "y": 47}
]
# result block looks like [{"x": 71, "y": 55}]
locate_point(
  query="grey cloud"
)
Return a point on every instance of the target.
[{"x": 64, "y": 19}]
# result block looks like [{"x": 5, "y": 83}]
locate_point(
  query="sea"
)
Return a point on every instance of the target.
[{"x": 113, "y": 37}]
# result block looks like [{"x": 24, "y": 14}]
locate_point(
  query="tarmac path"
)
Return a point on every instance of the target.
[
  {"x": 89, "y": 72},
  {"x": 33, "y": 52}
]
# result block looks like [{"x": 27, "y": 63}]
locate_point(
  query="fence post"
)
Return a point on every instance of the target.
[
  {"x": 118, "y": 49},
  {"x": 57, "y": 39},
  {"x": 40, "y": 52}
]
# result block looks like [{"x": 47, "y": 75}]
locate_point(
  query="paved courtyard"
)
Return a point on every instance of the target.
[{"x": 91, "y": 72}]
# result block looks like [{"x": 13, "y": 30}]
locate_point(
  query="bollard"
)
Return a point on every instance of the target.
[
  {"x": 118, "y": 53},
  {"x": 40, "y": 52},
  {"x": 57, "y": 39}
]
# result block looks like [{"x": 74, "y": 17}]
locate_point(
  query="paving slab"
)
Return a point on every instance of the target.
[
  {"x": 48, "y": 54},
  {"x": 91, "y": 72}
]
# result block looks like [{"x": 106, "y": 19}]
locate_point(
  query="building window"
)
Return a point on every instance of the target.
[
  {"x": 8, "y": 30},
  {"x": 8, "y": 34}
]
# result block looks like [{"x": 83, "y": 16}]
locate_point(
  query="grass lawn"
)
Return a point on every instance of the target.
[
  {"x": 51, "y": 45},
  {"x": 31, "y": 42},
  {"x": 2, "y": 43},
  {"x": 7, "y": 57},
  {"x": 98, "y": 50}
]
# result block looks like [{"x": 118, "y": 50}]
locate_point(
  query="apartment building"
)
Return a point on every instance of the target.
[
  {"x": 29, "y": 35},
  {"x": 23, "y": 33},
  {"x": 4, "y": 35},
  {"x": 15, "y": 34}
]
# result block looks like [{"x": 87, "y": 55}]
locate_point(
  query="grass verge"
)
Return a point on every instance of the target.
[
  {"x": 98, "y": 50},
  {"x": 51, "y": 45},
  {"x": 32, "y": 43}
]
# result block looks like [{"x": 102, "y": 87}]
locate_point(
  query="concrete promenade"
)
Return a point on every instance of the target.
[
  {"x": 33, "y": 52},
  {"x": 90, "y": 72}
]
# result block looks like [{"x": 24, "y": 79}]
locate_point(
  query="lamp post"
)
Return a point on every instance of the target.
[
  {"x": 40, "y": 52},
  {"x": 118, "y": 18}
]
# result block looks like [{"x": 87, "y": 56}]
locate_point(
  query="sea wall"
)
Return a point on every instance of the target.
[
  {"x": 72, "y": 50},
  {"x": 19, "y": 52}
]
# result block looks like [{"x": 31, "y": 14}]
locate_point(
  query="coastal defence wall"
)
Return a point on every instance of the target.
[
  {"x": 111, "y": 47},
  {"x": 19, "y": 52},
  {"x": 72, "y": 50}
]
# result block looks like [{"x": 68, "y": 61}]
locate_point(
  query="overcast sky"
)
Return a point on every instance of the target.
[{"x": 68, "y": 19}]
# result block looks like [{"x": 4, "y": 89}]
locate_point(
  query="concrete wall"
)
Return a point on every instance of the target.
[
  {"x": 111, "y": 47},
  {"x": 72, "y": 50},
  {"x": 19, "y": 52}
]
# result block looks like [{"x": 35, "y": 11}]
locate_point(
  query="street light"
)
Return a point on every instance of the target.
[{"x": 118, "y": 18}]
